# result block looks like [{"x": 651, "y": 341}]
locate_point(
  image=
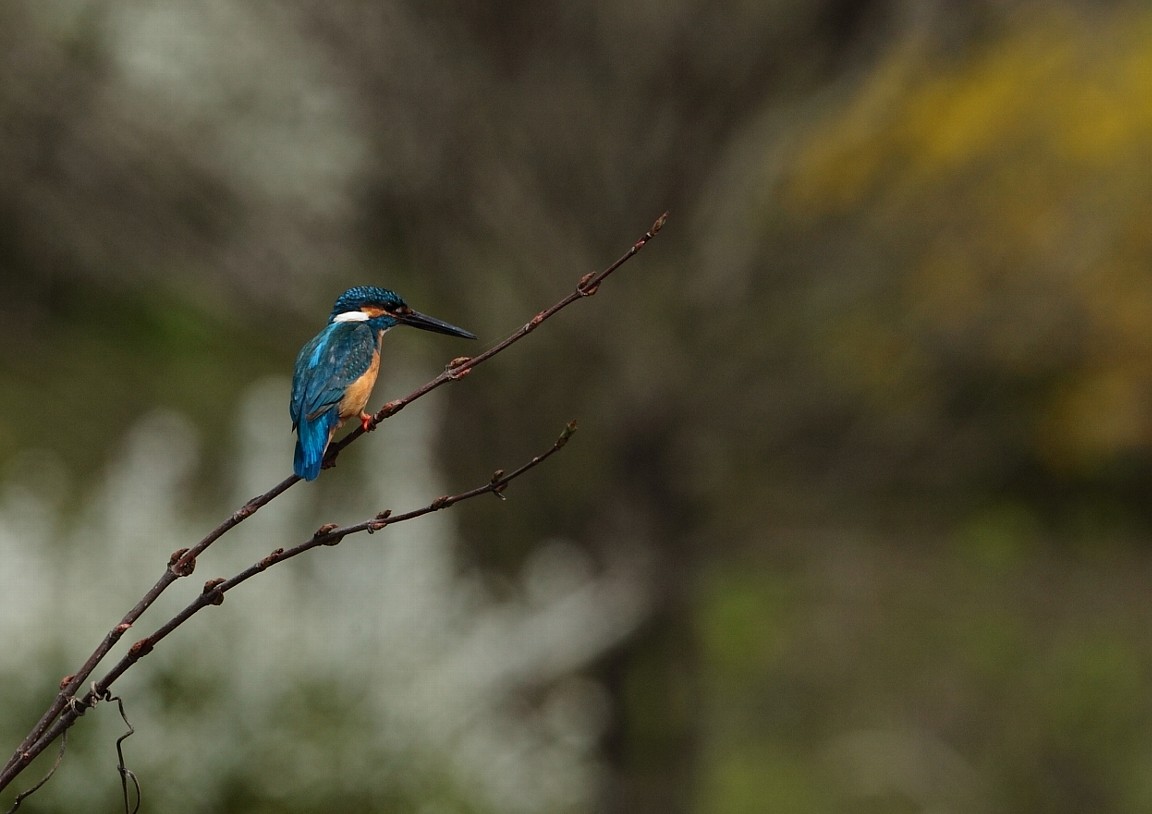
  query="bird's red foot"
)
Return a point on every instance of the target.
[{"x": 366, "y": 422}]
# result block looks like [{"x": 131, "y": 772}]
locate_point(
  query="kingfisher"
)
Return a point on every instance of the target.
[{"x": 336, "y": 370}]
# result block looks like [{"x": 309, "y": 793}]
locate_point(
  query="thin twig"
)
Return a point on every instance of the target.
[
  {"x": 183, "y": 561},
  {"x": 126, "y": 774},
  {"x": 180, "y": 564},
  {"x": 55, "y": 765},
  {"x": 214, "y": 589},
  {"x": 462, "y": 366}
]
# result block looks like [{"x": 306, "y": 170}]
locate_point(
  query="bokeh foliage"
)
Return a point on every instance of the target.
[{"x": 874, "y": 410}]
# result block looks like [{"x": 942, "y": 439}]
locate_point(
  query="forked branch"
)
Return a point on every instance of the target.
[
  {"x": 215, "y": 589},
  {"x": 66, "y": 706}
]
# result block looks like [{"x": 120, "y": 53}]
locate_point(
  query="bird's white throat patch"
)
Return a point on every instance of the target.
[{"x": 351, "y": 316}]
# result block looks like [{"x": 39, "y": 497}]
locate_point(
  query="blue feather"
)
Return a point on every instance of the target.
[
  {"x": 335, "y": 371},
  {"x": 312, "y": 436},
  {"x": 334, "y": 359}
]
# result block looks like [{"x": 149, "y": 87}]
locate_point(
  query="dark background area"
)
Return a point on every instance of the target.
[{"x": 871, "y": 420}]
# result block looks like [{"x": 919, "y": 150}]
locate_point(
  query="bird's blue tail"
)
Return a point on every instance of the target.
[{"x": 312, "y": 437}]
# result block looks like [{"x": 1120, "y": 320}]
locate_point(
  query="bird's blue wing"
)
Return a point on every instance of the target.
[
  {"x": 336, "y": 357},
  {"x": 326, "y": 366}
]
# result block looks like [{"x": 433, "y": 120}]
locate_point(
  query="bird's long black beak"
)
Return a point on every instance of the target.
[{"x": 427, "y": 323}]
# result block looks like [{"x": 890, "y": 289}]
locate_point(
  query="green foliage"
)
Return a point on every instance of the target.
[
  {"x": 1004, "y": 193},
  {"x": 872, "y": 412},
  {"x": 926, "y": 679}
]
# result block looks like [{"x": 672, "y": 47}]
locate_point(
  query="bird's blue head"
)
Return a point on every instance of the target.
[{"x": 383, "y": 309}]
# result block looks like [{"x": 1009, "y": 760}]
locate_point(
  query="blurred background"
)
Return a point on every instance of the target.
[{"x": 857, "y": 519}]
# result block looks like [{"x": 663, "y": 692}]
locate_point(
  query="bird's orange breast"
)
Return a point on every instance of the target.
[{"x": 357, "y": 394}]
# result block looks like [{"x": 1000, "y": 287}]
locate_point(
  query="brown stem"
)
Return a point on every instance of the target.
[{"x": 183, "y": 561}]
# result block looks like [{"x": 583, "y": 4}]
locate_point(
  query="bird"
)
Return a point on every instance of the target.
[{"x": 336, "y": 370}]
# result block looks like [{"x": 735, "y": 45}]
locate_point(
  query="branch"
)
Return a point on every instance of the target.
[
  {"x": 461, "y": 366},
  {"x": 214, "y": 589},
  {"x": 183, "y": 561}
]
